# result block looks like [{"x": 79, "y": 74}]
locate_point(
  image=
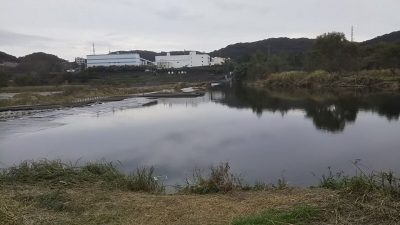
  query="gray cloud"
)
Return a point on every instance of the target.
[
  {"x": 68, "y": 27},
  {"x": 11, "y": 38}
]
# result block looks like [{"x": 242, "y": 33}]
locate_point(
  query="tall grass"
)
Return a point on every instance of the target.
[
  {"x": 220, "y": 179},
  {"x": 56, "y": 173},
  {"x": 363, "y": 183}
]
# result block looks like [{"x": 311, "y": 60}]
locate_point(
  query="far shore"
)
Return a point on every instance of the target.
[{"x": 387, "y": 80}]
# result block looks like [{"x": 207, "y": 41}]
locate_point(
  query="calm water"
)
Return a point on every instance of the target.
[{"x": 263, "y": 134}]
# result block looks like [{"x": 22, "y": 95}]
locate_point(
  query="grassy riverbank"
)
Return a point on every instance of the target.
[
  {"x": 51, "y": 192},
  {"x": 374, "y": 79},
  {"x": 70, "y": 93}
]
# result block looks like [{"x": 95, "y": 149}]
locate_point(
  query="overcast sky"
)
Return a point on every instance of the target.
[{"x": 68, "y": 27}]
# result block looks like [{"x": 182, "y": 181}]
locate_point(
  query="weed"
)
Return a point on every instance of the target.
[
  {"x": 362, "y": 184},
  {"x": 220, "y": 180},
  {"x": 144, "y": 180}
]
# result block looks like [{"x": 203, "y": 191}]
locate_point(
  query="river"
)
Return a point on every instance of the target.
[{"x": 263, "y": 134}]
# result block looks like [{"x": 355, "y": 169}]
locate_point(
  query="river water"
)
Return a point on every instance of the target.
[{"x": 264, "y": 135}]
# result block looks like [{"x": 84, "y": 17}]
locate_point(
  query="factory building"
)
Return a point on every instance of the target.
[
  {"x": 217, "y": 61},
  {"x": 121, "y": 59},
  {"x": 80, "y": 61},
  {"x": 179, "y": 61}
]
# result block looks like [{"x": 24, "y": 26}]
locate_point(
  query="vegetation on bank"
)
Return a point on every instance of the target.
[
  {"x": 52, "y": 192},
  {"x": 376, "y": 79},
  {"x": 58, "y": 174},
  {"x": 345, "y": 62}
]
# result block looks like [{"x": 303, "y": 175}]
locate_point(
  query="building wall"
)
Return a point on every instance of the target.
[
  {"x": 132, "y": 59},
  {"x": 179, "y": 61}
]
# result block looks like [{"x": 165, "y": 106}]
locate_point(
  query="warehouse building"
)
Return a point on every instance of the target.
[
  {"x": 121, "y": 59},
  {"x": 179, "y": 61}
]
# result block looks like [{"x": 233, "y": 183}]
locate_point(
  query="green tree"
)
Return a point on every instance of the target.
[{"x": 332, "y": 52}]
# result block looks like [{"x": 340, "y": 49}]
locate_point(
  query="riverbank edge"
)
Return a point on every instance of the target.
[
  {"x": 53, "y": 192},
  {"x": 149, "y": 92},
  {"x": 381, "y": 80}
]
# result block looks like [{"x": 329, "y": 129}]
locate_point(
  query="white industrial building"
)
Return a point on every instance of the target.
[
  {"x": 80, "y": 61},
  {"x": 217, "y": 61},
  {"x": 121, "y": 59},
  {"x": 179, "y": 61}
]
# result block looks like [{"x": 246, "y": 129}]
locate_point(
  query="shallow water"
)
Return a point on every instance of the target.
[{"x": 263, "y": 134}]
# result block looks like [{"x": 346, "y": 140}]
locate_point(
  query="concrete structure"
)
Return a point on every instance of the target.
[
  {"x": 217, "y": 61},
  {"x": 179, "y": 61},
  {"x": 80, "y": 61},
  {"x": 121, "y": 59}
]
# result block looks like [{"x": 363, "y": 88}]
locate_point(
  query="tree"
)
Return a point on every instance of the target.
[{"x": 332, "y": 52}]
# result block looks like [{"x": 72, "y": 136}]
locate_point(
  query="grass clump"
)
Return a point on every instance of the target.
[
  {"x": 144, "y": 180},
  {"x": 299, "y": 215},
  {"x": 55, "y": 173},
  {"x": 363, "y": 184},
  {"x": 219, "y": 180}
]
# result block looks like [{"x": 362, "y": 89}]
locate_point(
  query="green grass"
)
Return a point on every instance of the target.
[
  {"x": 300, "y": 215},
  {"x": 363, "y": 183}
]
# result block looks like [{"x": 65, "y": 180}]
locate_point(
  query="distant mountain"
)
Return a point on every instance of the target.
[
  {"x": 387, "y": 38},
  {"x": 4, "y": 57},
  {"x": 272, "y": 45},
  {"x": 41, "y": 62}
]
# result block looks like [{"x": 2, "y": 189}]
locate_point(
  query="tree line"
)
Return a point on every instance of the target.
[{"x": 330, "y": 52}]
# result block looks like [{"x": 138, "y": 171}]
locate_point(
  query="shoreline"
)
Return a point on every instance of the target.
[
  {"x": 363, "y": 80},
  {"x": 52, "y": 192},
  {"x": 94, "y": 100}
]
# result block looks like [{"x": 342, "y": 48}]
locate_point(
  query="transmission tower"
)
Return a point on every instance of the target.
[{"x": 352, "y": 33}]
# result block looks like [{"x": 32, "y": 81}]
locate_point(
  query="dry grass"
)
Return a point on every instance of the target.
[{"x": 101, "y": 206}]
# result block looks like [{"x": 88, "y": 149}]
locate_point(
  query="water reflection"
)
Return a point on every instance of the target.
[
  {"x": 329, "y": 111},
  {"x": 260, "y": 132}
]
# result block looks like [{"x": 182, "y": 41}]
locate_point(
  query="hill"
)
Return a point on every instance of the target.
[
  {"x": 4, "y": 57},
  {"x": 41, "y": 62},
  {"x": 386, "y": 38},
  {"x": 272, "y": 46}
]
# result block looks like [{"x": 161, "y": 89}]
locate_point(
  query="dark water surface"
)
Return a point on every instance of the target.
[{"x": 263, "y": 134}]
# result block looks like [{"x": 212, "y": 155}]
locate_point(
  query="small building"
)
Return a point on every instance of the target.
[
  {"x": 80, "y": 61},
  {"x": 179, "y": 61},
  {"x": 117, "y": 59},
  {"x": 217, "y": 61}
]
